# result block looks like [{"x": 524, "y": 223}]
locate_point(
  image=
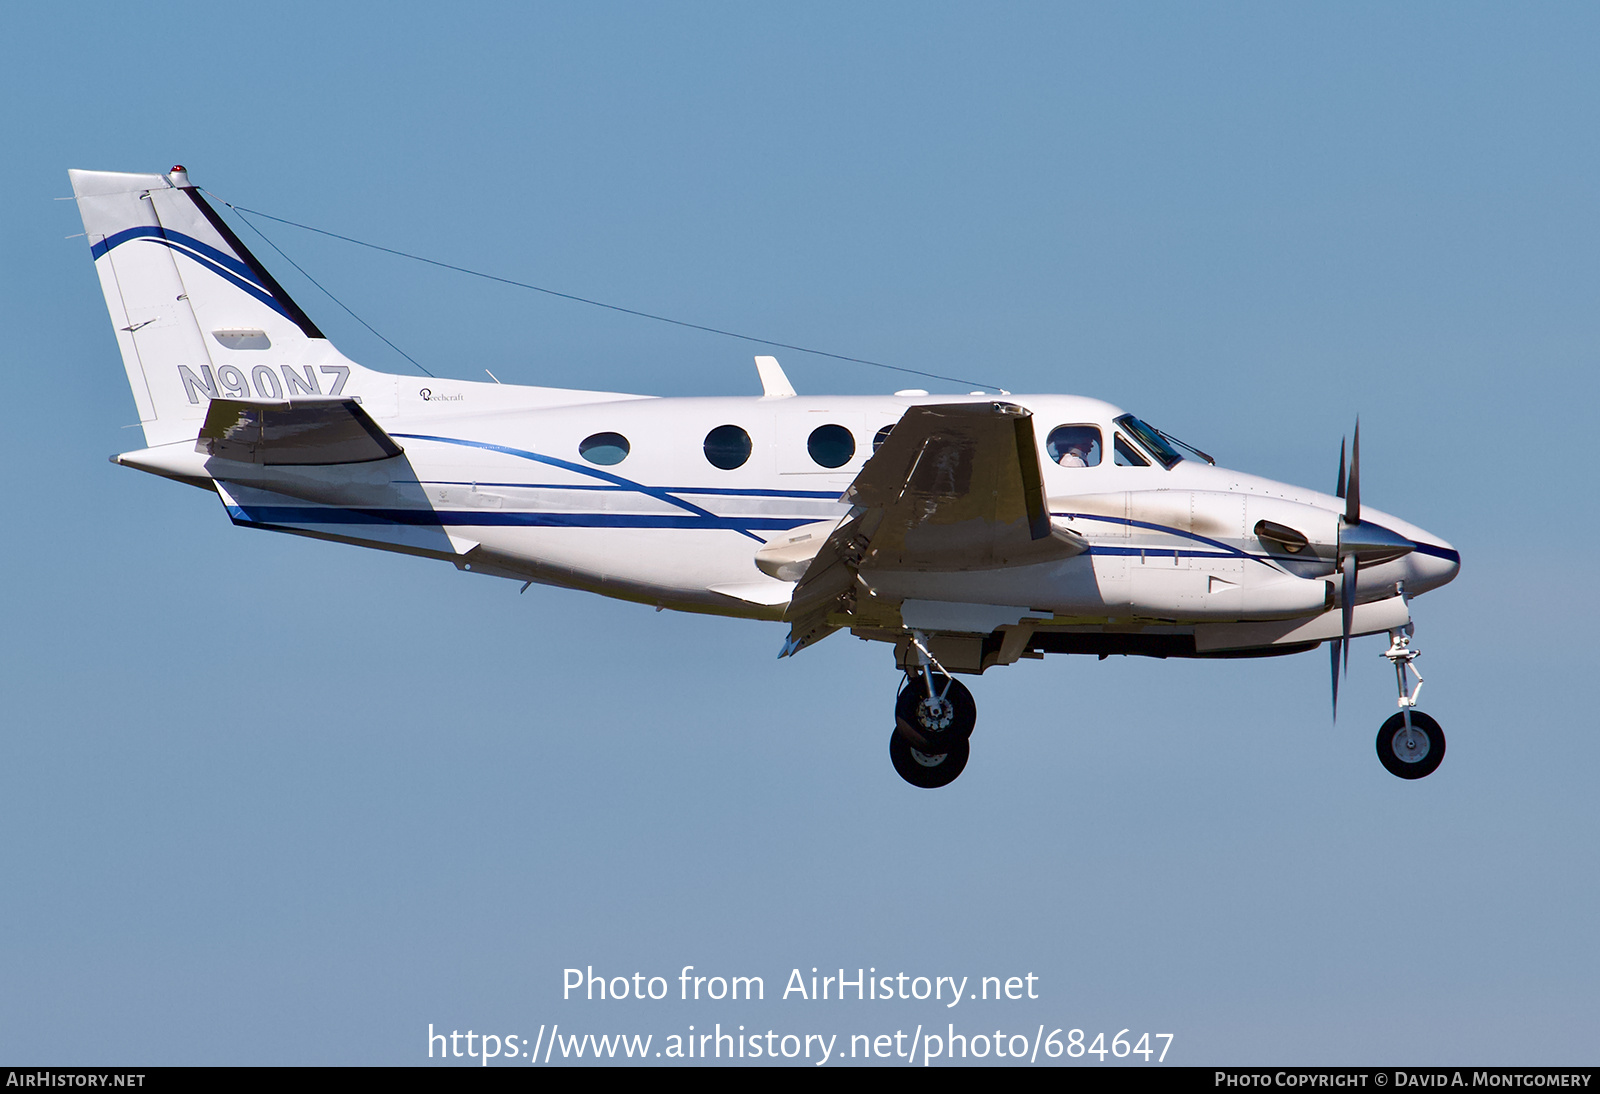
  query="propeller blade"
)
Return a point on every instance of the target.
[
  {"x": 1352, "y": 494},
  {"x": 1333, "y": 663},
  {"x": 1350, "y": 490},
  {"x": 1347, "y": 597}
]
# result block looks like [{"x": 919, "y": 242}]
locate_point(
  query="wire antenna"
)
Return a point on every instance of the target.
[
  {"x": 583, "y": 300},
  {"x": 319, "y": 285}
]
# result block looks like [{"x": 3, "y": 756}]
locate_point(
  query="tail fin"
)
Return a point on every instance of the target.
[{"x": 197, "y": 317}]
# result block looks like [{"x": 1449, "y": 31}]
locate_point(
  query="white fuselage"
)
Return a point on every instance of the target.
[{"x": 493, "y": 478}]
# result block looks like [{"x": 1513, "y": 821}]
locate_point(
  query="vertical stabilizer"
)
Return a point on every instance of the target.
[{"x": 197, "y": 317}]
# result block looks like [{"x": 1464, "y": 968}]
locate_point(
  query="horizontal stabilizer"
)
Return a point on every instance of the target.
[{"x": 300, "y": 431}]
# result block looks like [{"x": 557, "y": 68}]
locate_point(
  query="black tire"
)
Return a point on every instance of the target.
[
  {"x": 928, "y": 734},
  {"x": 1411, "y": 763},
  {"x": 928, "y": 771}
]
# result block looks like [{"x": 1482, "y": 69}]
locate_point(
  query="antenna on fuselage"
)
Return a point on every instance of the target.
[{"x": 774, "y": 383}]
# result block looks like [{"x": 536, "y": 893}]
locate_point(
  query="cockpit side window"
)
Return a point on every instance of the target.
[
  {"x": 1150, "y": 440},
  {"x": 1074, "y": 445},
  {"x": 1127, "y": 455}
]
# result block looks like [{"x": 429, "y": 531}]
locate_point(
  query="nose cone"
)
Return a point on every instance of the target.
[{"x": 1432, "y": 563}]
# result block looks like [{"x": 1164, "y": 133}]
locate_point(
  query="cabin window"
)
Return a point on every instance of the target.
[
  {"x": 1127, "y": 455},
  {"x": 880, "y": 436},
  {"x": 604, "y": 448},
  {"x": 831, "y": 445},
  {"x": 1074, "y": 445},
  {"x": 727, "y": 447}
]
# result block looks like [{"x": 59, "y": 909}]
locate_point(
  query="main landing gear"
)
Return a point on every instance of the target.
[
  {"x": 1410, "y": 744},
  {"x": 933, "y": 717}
]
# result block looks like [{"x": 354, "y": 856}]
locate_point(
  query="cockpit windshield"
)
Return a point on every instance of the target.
[{"x": 1150, "y": 440}]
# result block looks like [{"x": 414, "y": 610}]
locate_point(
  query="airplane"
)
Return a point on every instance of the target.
[{"x": 966, "y": 532}]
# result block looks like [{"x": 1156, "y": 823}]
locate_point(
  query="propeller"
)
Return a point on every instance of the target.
[
  {"x": 1359, "y": 542},
  {"x": 1352, "y": 518},
  {"x": 1352, "y": 491},
  {"x": 1348, "y": 578},
  {"x": 1339, "y": 493}
]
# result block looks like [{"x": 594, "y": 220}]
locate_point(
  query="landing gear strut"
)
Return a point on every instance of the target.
[
  {"x": 1410, "y": 744},
  {"x": 933, "y": 717}
]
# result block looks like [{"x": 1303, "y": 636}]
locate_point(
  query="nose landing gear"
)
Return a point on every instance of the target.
[
  {"x": 1410, "y": 744},
  {"x": 933, "y": 717}
]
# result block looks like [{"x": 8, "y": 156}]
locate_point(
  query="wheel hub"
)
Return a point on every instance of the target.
[
  {"x": 935, "y": 714},
  {"x": 1411, "y": 745}
]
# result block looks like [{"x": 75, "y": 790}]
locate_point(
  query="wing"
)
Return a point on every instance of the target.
[{"x": 954, "y": 488}]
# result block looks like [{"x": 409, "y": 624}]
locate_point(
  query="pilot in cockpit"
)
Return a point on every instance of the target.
[
  {"x": 1076, "y": 455},
  {"x": 1074, "y": 445}
]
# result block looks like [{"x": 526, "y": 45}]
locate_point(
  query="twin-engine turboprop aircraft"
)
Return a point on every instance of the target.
[{"x": 966, "y": 532}]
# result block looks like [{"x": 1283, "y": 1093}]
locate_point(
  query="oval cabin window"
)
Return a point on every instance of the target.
[
  {"x": 604, "y": 448},
  {"x": 727, "y": 447},
  {"x": 831, "y": 445}
]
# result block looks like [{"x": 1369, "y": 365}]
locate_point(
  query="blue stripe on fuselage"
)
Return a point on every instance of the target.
[
  {"x": 432, "y": 518},
  {"x": 656, "y": 492},
  {"x": 822, "y": 495},
  {"x": 697, "y": 518},
  {"x": 1223, "y": 550}
]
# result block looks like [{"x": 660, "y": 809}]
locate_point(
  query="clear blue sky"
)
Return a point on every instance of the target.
[{"x": 270, "y": 800}]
